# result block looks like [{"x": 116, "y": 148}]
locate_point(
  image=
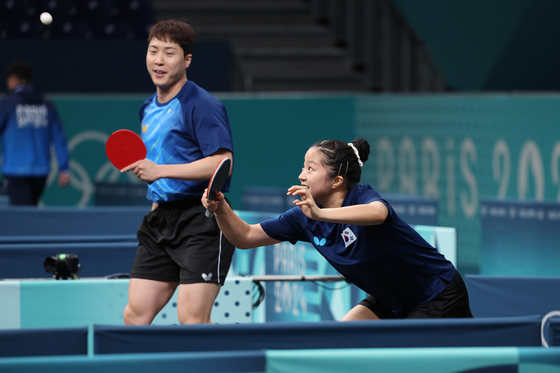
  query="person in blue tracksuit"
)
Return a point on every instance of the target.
[
  {"x": 187, "y": 133},
  {"x": 360, "y": 235},
  {"x": 29, "y": 125}
]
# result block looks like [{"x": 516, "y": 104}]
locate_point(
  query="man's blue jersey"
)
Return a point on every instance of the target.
[
  {"x": 29, "y": 124},
  {"x": 391, "y": 261},
  {"x": 191, "y": 126}
]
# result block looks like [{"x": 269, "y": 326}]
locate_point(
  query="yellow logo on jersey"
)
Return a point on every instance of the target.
[{"x": 144, "y": 128}]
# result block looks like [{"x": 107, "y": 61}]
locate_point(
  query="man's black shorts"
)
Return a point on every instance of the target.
[
  {"x": 178, "y": 243},
  {"x": 453, "y": 302}
]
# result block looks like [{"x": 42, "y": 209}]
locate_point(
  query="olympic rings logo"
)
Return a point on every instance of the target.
[{"x": 83, "y": 179}]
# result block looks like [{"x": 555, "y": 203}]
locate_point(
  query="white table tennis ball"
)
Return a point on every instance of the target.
[{"x": 46, "y": 18}]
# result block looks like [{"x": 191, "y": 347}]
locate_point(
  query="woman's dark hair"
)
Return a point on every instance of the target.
[
  {"x": 341, "y": 159},
  {"x": 174, "y": 31}
]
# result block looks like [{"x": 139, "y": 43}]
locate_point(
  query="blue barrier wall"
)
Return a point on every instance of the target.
[
  {"x": 440, "y": 360},
  {"x": 519, "y": 238},
  {"x": 499, "y": 296},
  {"x": 520, "y": 332},
  {"x": 43, "y": 342}
]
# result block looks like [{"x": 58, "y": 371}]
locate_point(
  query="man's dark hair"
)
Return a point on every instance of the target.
[
  {"x": 21, "y": 70},
  {"x": 174, "y": 31}
]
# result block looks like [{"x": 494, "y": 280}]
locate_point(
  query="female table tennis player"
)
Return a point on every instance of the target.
[{"x": 360, "y": 235}]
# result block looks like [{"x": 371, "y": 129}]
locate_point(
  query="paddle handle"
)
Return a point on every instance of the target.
[{"x": 219, "y": 177}]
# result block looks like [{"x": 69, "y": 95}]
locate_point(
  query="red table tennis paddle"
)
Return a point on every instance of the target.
[
  {"x": 124, "y": 147},
  {"x": 218, "y": 180}
]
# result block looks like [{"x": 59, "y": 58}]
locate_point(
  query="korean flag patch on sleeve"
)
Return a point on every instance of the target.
[{"x": 348, "y": 237}]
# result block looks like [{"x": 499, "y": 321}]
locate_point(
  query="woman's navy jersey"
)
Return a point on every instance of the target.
[{"x": 390, "y": 261}]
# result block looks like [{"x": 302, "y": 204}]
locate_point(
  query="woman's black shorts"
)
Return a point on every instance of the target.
[{"x": 453, "y": 302}]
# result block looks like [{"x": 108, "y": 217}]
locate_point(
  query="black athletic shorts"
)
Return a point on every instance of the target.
[
  {"x": 178, "y": 243},
  {"x": 453, "y": 302}
]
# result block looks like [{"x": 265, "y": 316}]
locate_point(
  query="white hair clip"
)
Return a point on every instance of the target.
[{"x": 357, "y": 154}]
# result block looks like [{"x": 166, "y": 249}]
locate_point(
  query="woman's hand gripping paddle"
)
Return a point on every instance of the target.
[
  {"x": 218, "y": 180},
  {"x": 124, "y": 147}
]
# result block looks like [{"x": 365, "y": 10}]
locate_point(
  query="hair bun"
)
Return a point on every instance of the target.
[{"x": 363, "y": 148}]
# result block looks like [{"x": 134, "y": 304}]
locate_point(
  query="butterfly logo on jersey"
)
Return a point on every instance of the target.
[
  {"x": 144, "y": 128},
  {"x": 207, "y": 277},
  {"x": 348, "y": 237},
  {"x": 320, "y": 242}
]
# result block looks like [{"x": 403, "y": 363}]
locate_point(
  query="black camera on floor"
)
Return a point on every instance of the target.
[{"x": 63, "y": 266}]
